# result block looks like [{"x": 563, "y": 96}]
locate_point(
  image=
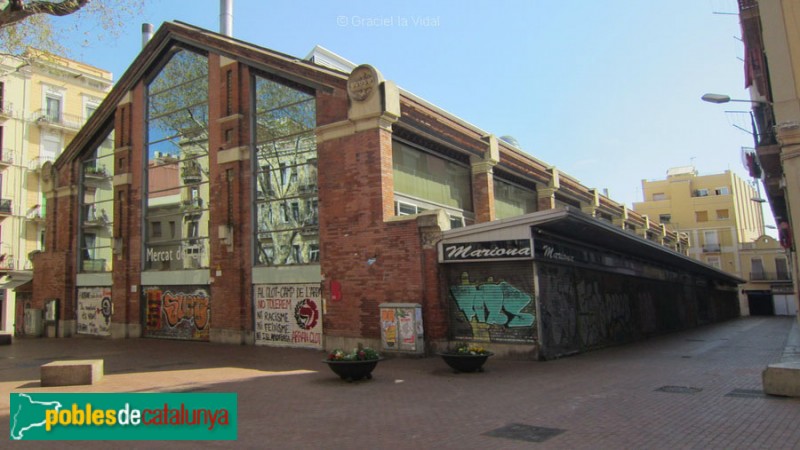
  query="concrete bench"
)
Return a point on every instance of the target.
[
  {"x": 5, "y": 338},
  {"x": 70, "y": 373},
  {"x": 782, "y": 379}
]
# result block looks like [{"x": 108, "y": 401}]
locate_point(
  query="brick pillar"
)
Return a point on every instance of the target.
[
  {"x": 230, "y": 178},
  {"x": 367, "y": 257},
  {"x": 591, "y": 208},
  {"x": 54, "y": 267},
  {"x": 435, "y": 318},
  {"x": 128, "y": 154},
  {"x": 547, "y": 195},
  {"x": 482, "y": 170}
]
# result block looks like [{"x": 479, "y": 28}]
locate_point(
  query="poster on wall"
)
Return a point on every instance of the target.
[
  {"x": 389, "y": 328},
  {"x": 177, "y": 312},
  {"x": 288, "y": 315},
  {"x": 94, "y": 311}
]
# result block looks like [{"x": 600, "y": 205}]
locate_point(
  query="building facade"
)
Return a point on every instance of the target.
[
  {"x": 721, "y": 214},
  {"x": 253, "y": 197},
  {"x": 769, "y": 289},
  {"x": 772, "y": 62},
  {"x": 44, "y": 101}
]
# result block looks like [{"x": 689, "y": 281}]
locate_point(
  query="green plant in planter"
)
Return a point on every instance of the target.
[
  {"x": 358, "y": 354},
  {"x": 354, "y": 365},
  {"x": 466, "y": 357},
  {"x": 470, "y": 349}
]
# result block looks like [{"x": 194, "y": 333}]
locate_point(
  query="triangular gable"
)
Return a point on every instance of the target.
[{"x": 172, "y": 34}]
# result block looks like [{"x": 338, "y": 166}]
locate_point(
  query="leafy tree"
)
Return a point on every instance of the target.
[{"x": 28, "y": 23}]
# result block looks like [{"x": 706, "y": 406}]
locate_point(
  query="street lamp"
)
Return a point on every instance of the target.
[{"x": 721, "y": 98}]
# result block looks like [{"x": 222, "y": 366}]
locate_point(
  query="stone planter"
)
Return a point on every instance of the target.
[
  {"x": 353, "y": 370},
  {"x": 465, "y": 362}
]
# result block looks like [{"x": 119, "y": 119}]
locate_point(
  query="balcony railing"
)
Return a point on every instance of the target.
[
  {"x": 36, "y": 163},
  {"x": 770, "y": 276},
  {"x": 48, "y": 119},
  {"x": 6, "y": 111},
  {"x": 6, "y": 158},
  {"x": 711, "y": 248},
  {"x": 5, "y": 206}
]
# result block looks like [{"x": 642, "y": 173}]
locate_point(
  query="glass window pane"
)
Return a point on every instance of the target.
[
  {"x": 511, "y": 200},
  {"x": 176, "y": 217},
  {"x": 430, "y": 178},
  {"x": 97, "y": 209},
  {"x": 286, "y": 209}
]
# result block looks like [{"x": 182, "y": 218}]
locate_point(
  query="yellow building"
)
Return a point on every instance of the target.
[
  {"x": 769, "y": 288},
  {"x": 44, "y": 101},
  {"x": 721, "y": 213}
]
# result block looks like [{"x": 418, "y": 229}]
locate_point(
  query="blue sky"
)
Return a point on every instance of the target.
[{"x": 608, "y": 91}]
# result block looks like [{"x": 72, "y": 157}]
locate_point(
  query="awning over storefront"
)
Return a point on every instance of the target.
[{"x": 577, "y": 226}]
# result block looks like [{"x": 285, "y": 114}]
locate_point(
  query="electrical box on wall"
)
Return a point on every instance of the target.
[{"x": 401, "y": 328}]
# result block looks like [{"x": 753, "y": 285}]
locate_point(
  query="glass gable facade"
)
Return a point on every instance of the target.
[{"x": 177, "y": 196}]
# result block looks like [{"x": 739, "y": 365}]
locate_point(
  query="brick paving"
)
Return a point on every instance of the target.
[{"x": 695, "y": 389}]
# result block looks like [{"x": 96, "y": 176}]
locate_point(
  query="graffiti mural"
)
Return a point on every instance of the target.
[
  {"x": 94, "y": 311},
  {"x": 492, "y": 304},
  {"x": 177, "y": 312},
  {"x": 288, "y": 315}
]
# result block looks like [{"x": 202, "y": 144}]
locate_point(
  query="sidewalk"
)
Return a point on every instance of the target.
[{"x": 699, "y": 388}]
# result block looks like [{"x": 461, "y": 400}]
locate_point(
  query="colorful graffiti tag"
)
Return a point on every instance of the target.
[
  {"x": 288, "y": 315},
  {"x": 495, "y": 311},
  {"x": 177, "y": 312},
  {"x": 94, "y": 311}
]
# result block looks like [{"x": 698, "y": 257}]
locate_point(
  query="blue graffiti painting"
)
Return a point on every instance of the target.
[{"x": 493, "y": 303}]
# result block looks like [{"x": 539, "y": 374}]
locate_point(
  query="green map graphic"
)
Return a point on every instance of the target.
[{"x": 27, "y": 414}]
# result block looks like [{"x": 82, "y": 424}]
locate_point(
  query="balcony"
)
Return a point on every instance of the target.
[
  {"x": 35, "y": 165},
  {"x": 711, "y": 248},
  {"x": 6, "y": 158},
  {"x": 770, "y": 276},
  {"x": 191, "y": 173},
  {"x": 35, "y": 215},
  {"x": 6, "y": 263},
  {"x": 60, "y": 122},
  {"x": 5, "y": 208},
  {"x": 6, "y": 112}
]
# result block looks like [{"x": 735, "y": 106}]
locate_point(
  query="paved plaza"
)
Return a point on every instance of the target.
[{"x": 699, "y": 388}]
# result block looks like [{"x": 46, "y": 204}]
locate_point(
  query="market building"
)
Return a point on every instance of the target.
[{"x": 253, "y": 197}]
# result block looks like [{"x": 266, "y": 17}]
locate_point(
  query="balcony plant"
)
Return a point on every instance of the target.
[
  {"x": 466, "y": 357},
  {"x": 355, "y": 365}
]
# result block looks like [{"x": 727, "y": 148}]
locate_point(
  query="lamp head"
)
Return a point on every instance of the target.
[{"x": 715, "y": 98}]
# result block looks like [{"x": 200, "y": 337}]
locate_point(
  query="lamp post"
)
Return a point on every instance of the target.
[{"x": 722, "y": 98}]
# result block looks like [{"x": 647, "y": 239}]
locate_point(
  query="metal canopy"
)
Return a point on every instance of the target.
[{"x": 577, "y": 226}]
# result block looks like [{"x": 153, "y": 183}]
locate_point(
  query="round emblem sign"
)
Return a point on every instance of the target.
[
  {"x": 362, "y": 83},
  {"x": 105, "y": 307},
  {"x": 306, "y": 314}
]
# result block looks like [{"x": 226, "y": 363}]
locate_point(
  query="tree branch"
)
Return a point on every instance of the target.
[{"x": 17, "y": 11}]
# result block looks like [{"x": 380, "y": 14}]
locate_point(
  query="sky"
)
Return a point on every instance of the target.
[{"x": 608, "y": 91}]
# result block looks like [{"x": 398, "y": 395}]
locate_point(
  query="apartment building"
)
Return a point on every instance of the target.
[
  {"x": 721, "y": 213},
  {"x": 44, "y": 101},
  {"x": 771, "y": 67}
]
